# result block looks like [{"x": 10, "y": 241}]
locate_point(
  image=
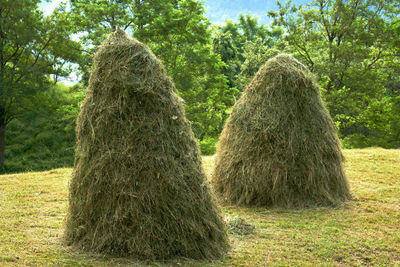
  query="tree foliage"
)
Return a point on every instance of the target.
[
  {"x": 244, "y": 46},
  {"x": 349, "y": 45},
  {"x": 44, "y": 138},
  {"x": 32, "y": 47},
  {"x": 352, "y": 46}
]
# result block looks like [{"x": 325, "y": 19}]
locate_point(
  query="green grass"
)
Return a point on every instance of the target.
[{"x": 365, "y": 231}]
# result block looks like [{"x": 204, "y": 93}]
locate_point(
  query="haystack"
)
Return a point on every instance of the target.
[
  {"x": 280, "y": 147},
  {"x": 138, "y": 188}
]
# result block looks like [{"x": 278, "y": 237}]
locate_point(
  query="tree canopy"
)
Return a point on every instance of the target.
[
  {"x": 32, "y": 47},
  {"x": 351, "y": 46}
]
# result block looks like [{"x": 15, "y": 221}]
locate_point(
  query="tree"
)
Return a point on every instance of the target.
[
  {"x": 93, "y": 21},
  {"x": 179, "y": 34},
  {"x": 243, "y": 42},
  {"x": 255, "y": 54},
  {"x": 224, "y": 45},
  {"x": 32, "y": 47},
  {"x": 348, "y": 45},
  {"x": 44, "y": 138}
]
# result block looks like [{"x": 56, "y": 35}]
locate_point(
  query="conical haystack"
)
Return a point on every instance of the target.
[
  {"x": 138, "y": 188},
  {"x": 279, "y": 147}
]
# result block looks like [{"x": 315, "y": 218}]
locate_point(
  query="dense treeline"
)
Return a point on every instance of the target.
[
  {"x": 351, "y": 46},
  {"x": 44, "y": 137}
]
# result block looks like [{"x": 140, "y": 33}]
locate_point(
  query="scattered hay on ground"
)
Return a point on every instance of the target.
[{"x": 239, "y": 226}]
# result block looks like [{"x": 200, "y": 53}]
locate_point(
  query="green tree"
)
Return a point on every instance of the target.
[
  {"x": 32, "y": 47},
  {"x": 255, "y": 54},
  {"x": 93, "y": 21},
  {"x": 44, "y": 138},
  {"x": 224, "y": 44},
  {"x": 242, "y": 43},
  {"x": 348, "y": 45},
  {"x": 179, "y": 34}
]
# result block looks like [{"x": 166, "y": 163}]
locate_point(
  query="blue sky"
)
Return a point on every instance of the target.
[
  {"x": 48, "y": 6},
  {"x": 217, "y": 11}
]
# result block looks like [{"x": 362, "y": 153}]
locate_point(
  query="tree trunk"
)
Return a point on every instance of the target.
[
  {"x": 2, "y": 134},
  {"x": 2, "y": 140}
]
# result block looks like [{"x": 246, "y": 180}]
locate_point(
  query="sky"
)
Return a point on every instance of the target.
[
  {"x": 217, "y": 11},
  {"x": 48, "y": 6}
]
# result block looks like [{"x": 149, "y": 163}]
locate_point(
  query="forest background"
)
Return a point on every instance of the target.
[{"x": 351, "y": 46}]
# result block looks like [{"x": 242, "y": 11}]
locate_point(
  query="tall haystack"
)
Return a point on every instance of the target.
[
  {"x": 138, "y": 188},
  {"x": 279, "y": 147}
]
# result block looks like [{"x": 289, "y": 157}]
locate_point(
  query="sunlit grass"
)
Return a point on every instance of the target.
[{"x": 365, "y": 231}]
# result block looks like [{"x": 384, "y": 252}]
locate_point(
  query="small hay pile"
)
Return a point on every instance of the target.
[
  {"x": 279, "y": 147},
  {"x": 138, "y": 188},
  {"x": 239, "y": 226}
]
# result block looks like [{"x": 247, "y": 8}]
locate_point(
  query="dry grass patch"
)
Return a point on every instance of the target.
[{"x": 365, "y": 231}]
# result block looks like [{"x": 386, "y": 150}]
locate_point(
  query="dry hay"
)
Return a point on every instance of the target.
[
  {"x": 138, "y": 188},
  {"x": 279, "y": 146},
  {"x": 238, "y": 226}
]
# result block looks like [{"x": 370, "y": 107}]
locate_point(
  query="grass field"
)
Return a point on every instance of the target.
[{"x": 365, "y": 231}]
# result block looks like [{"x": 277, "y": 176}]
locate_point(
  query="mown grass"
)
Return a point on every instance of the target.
[{"x": 364, "y": 231}]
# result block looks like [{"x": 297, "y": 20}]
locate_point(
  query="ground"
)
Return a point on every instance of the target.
[{"x": 364, "y": 231}]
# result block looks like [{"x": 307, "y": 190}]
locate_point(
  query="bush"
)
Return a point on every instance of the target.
[
  {"x": 207, "y": 146},
  {"x": 357, "y": 140}
]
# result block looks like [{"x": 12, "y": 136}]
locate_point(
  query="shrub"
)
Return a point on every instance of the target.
[{"x": 207, "y": 146}]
